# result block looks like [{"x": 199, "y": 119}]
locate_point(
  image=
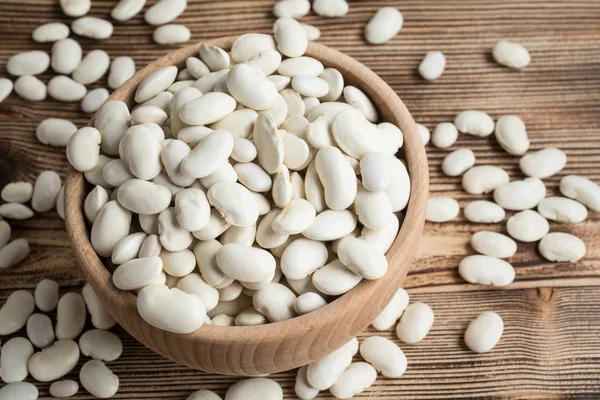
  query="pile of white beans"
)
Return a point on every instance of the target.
[
  {"x": 51, "y": 350},
  {"x": 262, "y": 189}
]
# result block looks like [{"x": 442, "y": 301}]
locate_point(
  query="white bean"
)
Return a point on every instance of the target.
[
  {"x": 92, "y": 27},
  {"x": 354, "y": 380},
  {"x": 415, "y": 323},
  {"x": 527, "y": 226},
  {"x": 302, "y": 388},
  {"x": 63, "y": 88},
  {"x": 384, "y": 25},
  {"x": 66, "y": 56},
  {"x": 28, "y": 63},
  {"x": 384, "y": 355},
  {"x": 562, "y": 209},
  {"x": 101, "y": 318},
  {"x": 66, "y": 388},
  {"x": 92, "y": 67},
  {"x": 17, "y": 192},
  {"x": 308, "y": 302},
  {"x": 484, "y": 332},
  {"x": 304, "y": 65},
  {"x": 40, "y": 330},
  {"x": 432, "y": 66},
  {"x": 335, "y": 279},
  {"x": 330, "y": 8},
  {"x": 291, "y": 8},
  {"x": 30, "y": 88},
  {"x": 239, "y": 123},
  {"x": 483, "y": 211},
  {"x": 54, "y": 361},
  {"x": 110, "y": 226},
  {"x": 382, "y": 238},
  {"x": 70, "y": 316},
  {"x": 493, "y": 244},
  {"x": 13, "y": 359},
  {"x": 561, "y": 247},
  {"x": 6, "y": 88},
  {"x": 251, "y": 88},
  {"x": 362, "y": 258},
  {"x": 258, "y": 388},
  {"x": 392, "y": 311},
  {"x": 100, "y": 345},
  {"x": 15, "y": 312},
  {"x": 94, "y": 202},
  {"x": 290, "y": 37},
  {"x": 444, "y": 135},
  {"x": 121, "y": 69},
  {"x": 55, "y": 131},
  {"x": 441, "y": 209},
  {"x": 275, "y": 301},
  {"x": 13, "y": 253},
  {"x": 520, "y": 195},
  {"x": 171, "y": 310},
  {"x": 323, "y": 373},
  {"x": 246, "y": 264},
  {"x": 172, "y": 34},
  {"x": 511, "y": 54},
  {"x": 234, "y": 202},
  {"x": 581, "y": 189},
  {"x": 15, "y": 211},
  {"x": 484, "y": 179},
  {"x": 511, "y": 134},
  {"x": 50, "y": 32},
  {"x": 476, "y": 123},
  {"x": 98, "y": 379},
  {"x": 331, "y": 225},
  {"x": 46, "y": 295},
  {"x": 485, "y": 270},
  {"x": 458, "y": 162},
  {"x": 93, "y": 100},
  {"x": 19, "y": 391}
]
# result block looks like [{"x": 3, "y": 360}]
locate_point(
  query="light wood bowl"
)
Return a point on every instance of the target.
[{"x": 280, "y": 346}]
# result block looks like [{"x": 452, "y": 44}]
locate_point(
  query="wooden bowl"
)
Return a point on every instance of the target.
[{"x": 255, "y": 350}]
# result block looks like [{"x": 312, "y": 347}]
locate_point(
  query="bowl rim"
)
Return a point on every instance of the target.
[{"x": 399, "y": 255}]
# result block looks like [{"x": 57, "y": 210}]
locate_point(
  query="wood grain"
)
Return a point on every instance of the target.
[{"x": 558, "y": 96}]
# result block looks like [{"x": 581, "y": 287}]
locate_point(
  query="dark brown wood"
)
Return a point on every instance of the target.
[{"x": 558, "y": 96}]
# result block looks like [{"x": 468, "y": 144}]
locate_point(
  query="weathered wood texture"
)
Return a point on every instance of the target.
[{"x": 551, "y": 347}]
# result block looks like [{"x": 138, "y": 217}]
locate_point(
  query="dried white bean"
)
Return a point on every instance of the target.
[
  {"x": 441, "y": 209},
  {"x": 323, "y": 373},
  {"x": 101, "y": 319},
  {"x": 17, "y": 192},
  {"x": 110, "y": 226},
  {"x": 13, "y": 359},
  {"x": 527, "y": 226},
  {"x": 63, "y": 88},
  {"x": 100, "y": 345},
  {"x": 493, "y": 244},
  {"x": 543, "y": 163},
  {"x": 582, "y": 189},
  {"x": 40, "y": 331},
  {"x": 46, "y": 295},
  {"x": 392, "y": 311},
  {"x": 444, "y": 135},
  {"x": 98, "y": 379},
  {"x": 54, "y": 361},
  {"x": 275, "y": 301},
  {"x": 432, "y": 66},
  {"x": 511, "y": 54},
  {"x": 93, "y": 100},
  {"x": 476, "y": 123},
  {"x": 485, "y": 270},
  {"x": 290, "y": 37},
  {"x": 458, "y": 162},
  {"x": 66, "y": 388},
  {"x": 560, "y": 247},
  {"x": 415, "y": 323},
  {"x": 384, "y": 25},
  {"x": 66, "y": 56},
  {"x": 484, "y": 179},
  {"x": 258, "y": 388},
  {"x": 384, "y": 355},
  {"x": 15, "y": 211},
  {"x": 92, "y": 27},
  {"x": 172, "y": 34},
  {"x": 121, "y": 69},
  {"x": 330, "y": 8},
  {"x": 30, "y": 88},
  {"x": 520, "y": 195},
  {"x": 246, "y": 264},
  {"x": 562, "y": 209},
  {"x": 50, "y": 32},
  {"x": 28, "y": 63},
  {"x": 484, "y": 332},
  {"x": 171, "y": 310},
  {"x": 511, "y": 134}
]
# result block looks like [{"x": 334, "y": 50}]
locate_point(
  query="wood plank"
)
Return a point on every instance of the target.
[{"x": 549, "y": 350}]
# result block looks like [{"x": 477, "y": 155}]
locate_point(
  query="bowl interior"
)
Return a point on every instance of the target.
[{"x": 253, "y": 350}]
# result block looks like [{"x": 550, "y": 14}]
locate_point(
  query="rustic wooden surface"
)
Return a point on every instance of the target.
[{"x": 550, "y": 348}]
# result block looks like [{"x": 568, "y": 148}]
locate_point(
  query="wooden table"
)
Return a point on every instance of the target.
[{"x": 551, "y": 345}]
